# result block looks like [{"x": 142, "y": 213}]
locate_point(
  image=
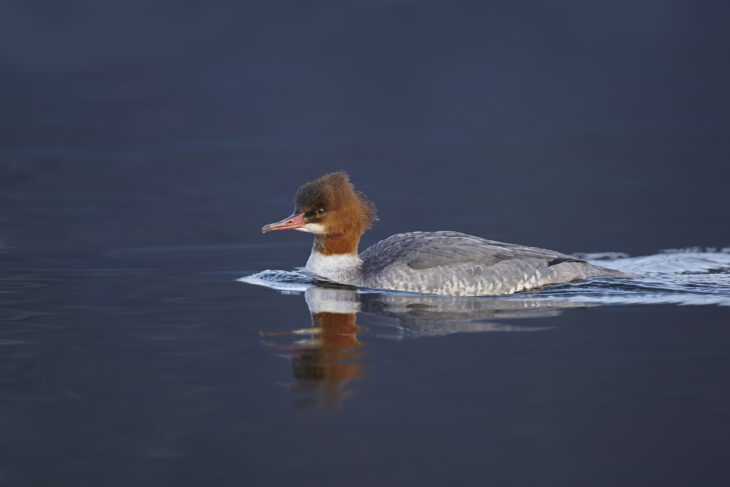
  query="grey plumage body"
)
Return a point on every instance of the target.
[{"x": 457, "y": 264}]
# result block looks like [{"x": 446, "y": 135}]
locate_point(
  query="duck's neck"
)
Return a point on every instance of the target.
[
  {"x": 340, "y": 244},
  {"x": 335, "y": 258}
]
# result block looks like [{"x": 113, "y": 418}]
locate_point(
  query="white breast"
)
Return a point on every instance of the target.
[{"x": 342, "y": 268}]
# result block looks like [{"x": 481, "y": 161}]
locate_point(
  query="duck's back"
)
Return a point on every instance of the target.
[{"x": 458, "y": 264}]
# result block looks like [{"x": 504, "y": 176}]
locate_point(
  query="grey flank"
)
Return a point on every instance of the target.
[{"x": 458, "y": 264}]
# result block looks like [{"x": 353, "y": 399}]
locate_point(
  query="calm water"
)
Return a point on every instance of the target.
[
  {"x": 150, "y": 335},
  {"x": 153, "y": 365}
]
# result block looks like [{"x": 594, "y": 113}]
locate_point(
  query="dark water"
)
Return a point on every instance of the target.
[{"x": 143, "y": 145}]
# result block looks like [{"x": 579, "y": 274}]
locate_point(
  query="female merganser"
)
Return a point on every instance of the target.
[{"x": 449, "y": 263}]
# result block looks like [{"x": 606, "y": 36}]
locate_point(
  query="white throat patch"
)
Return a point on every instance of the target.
[
  {"x": 341, "y": 268},
  {"x": 315, "y": 228}
]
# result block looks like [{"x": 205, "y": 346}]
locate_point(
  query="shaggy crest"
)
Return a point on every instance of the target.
[{"x": 334, "y": 193}]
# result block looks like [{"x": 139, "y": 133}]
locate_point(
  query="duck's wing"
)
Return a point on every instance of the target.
[
  {"x": 457, "y": 263},
  {"x": 426, "y": 250}
]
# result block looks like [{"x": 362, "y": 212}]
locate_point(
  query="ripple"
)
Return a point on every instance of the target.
[{"x": 285, "y": 281}]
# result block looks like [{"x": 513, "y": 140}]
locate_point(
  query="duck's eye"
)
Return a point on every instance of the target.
[{"x": 321, "y": 211}]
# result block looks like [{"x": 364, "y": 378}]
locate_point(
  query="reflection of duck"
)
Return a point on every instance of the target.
[
  {"x": 448, "y": 263},
  {"x": 394, "y": 315},
  {"x": 326, "y": 363}
]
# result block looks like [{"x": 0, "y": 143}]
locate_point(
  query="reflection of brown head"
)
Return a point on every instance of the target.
[
  {"x": 324, "y": 364},
  {"x": 330, "y": 361},
  {"x": 338, "y": 331}
]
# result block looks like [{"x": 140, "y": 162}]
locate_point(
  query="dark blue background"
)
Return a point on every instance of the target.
[{"x": 583, "y": 127}]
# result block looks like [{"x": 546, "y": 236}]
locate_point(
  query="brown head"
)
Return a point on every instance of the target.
[{"x": 333, "y": 210}]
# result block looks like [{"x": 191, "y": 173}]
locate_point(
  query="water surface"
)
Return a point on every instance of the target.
[{"x": 150, "y": 364}]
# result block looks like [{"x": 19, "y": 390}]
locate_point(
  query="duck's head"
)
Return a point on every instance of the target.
[{"x": 333, "y": 210}]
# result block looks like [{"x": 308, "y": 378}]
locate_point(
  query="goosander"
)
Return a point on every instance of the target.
[{"x": 446, "y": 263}]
